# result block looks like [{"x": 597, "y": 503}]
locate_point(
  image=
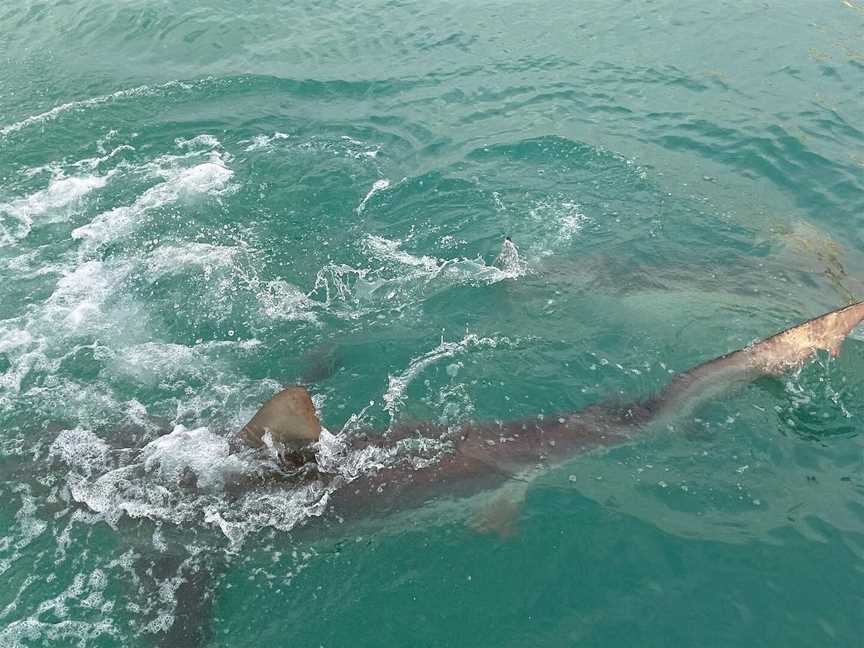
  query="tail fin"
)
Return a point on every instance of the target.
[
  {"x": 773, "y": 355},
  {"x": 797, "y": 344}
]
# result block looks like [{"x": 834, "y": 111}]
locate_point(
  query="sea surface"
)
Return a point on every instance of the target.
[{"x": 203, "y": 202}]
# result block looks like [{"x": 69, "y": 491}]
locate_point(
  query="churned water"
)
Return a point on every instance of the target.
[{"x": 202, "y": 203}]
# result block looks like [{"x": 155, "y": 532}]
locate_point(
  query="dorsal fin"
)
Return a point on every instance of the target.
[{"x": 289, "y": 417}]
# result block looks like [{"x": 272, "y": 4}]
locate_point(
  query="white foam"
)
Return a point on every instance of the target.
[
  {"x": 106, "y": 495},
  {"x": 364, "y": 151},
  {"x": 276, "y": 509},
  {"x": 11, "y": 339},
  {"x": 23, "y": 632},
  {"x": 335, "y": 456},
  {"x": 179, "y": 479},
  {"x": 203, "y": 140},
  {"x": 16, "y": 216},
  {"x": 27, "y": 354},
  {"x": 200, "y": 451},
  {"x": 92, "y": 163},
  {"x": 224, "y": 269},
  {"x": 152, "y": 488},
  {"x": 39, "y": 339},
  {"x": 154, "y": 484},
  {"x": 346, "y": 146},
  {"x": 27, "y": 528},
  {"x": 81, "y": 450},
  {"x": 261, "y": 142},
  {"x": 457, "y": 270},
  {"x": 86, "y": 592},
  {"x": 571, "y": 222},
  {"x": 170, "y": 259},
  {"x": 155, "y": 362},
  {"x": 211, "y": 177},
  {"x": 79, "y": 296}
]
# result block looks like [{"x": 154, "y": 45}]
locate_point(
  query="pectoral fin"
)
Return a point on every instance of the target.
[
  {"x": 289, "y": 417},
  {"x": 499, "y": 513}
]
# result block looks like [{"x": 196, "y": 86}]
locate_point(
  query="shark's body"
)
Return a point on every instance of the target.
[{"x": 483, "y": 455}]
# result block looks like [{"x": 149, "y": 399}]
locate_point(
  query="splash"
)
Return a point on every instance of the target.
[
  {"x": 336, "y": 283},
  {"x": 281, "y": 300},
  {"x": 378, "y": 186},
  {"x": 559, "y": 221},
  {"x": 397, "y": 279},
  {"x": 397, "y": 385},
  {"x": 508, "y": 259},
  {"x": 179, "y": 479},
  {"x": 389, "y": 250}
]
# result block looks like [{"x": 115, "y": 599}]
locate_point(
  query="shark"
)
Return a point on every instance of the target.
[
  {"x": 502, "y": 457},
  {"x": 480, "y": 471}
]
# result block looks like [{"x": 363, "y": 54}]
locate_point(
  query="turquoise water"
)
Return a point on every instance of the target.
[{"x": 201, "y": 204}]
